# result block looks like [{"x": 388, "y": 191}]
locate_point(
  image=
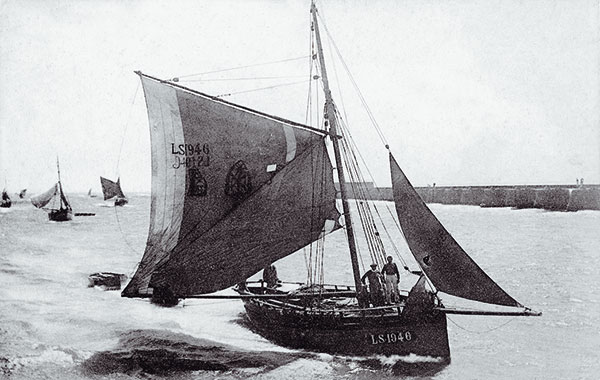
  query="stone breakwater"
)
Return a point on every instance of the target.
[{"x": 547, "y": 197}]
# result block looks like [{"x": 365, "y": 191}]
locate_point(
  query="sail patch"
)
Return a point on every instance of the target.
[
  {"x": 238, "y": 183},
  {"x": 197, "y": 183},
  {"x": 290, "y": 141},
  {"x": 426, "y": 260}
]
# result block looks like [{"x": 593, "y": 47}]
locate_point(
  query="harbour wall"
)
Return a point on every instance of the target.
[{"x": 547, "y": 197}]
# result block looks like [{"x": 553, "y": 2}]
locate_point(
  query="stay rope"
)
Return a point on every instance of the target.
[
  {"x": 365, "y": 207},
  {"x": 123, "y": 236},
  {"x": 127, "y": 125},
  {"x": 376, "y": 249},
  {"x": 240, "y": 67},
  {"x": 262, "y": 88},
  {"x": 352, "y": 147},
  {"x": 355, "y": 85},
  {"x": 244, "y": 78},
  {"x": 484, "y": 331},
  {"x": 126, "y": 242}
]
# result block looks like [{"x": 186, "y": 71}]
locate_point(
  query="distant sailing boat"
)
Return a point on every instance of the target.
[
  {"x": 112, "y": 189},
  {"x": 235, "y": 189},
  {"x": 61, "y": 214},
  {"x": 22, "y": 193},
  {"x": 90, "y": 193},
  {"x": 5, "y": 202}
]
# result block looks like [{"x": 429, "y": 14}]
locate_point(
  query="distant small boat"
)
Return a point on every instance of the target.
[
  {"x": 6, "y": 202},
  {"x": 90, "y": 194},
  {"x": 22, "y": 193},
  {"x": 64, "y": 212},
  {"x": 85, "y": 214},
  {"x": 106, "y": 280},
  {"x": 112, "y": 189}
]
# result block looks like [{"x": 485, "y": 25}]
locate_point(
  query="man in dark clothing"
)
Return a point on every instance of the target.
[
  {"x": 375, "y": 285},
  {"x": 392, "y": 278},
  {"x": 270, "y": 276}
]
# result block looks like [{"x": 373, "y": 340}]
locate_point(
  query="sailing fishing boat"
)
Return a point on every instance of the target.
[
  {"x": 90, "y": 193},
  {"x": 5, "y": 202},
  {"x": 22, "y": 193},
  {"x": 235, "y": 189},
  {"x": 112, "y": 189},
  {"x": 64, "y": 212}
]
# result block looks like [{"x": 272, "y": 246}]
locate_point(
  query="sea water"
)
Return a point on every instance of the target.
[{"x": 52, "y": 326}]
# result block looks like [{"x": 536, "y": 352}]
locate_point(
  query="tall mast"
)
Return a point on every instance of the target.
[
  {"x": 59, "y": 183},
  {"x": 330, "y": 118}
]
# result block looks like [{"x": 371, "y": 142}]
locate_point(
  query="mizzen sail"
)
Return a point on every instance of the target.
[
  {"x": 444, "y": 261},
  {"x": 110, "y": 189},
  {"x": 64, "y": 199},
  {"x": 44, "y": 198},
  {"x": 210, "y": 162}
]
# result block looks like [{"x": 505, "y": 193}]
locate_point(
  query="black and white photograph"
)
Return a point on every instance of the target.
[{"x": 299, "y": 189}]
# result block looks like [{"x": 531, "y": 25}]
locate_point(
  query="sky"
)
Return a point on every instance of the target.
[{"x": 465, "y": 92}]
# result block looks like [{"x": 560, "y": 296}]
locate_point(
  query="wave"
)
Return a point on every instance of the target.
[{"x": 163, "y": 351}]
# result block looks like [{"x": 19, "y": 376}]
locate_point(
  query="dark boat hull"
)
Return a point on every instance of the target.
[
  {"x": 121, "y": 201},
  {"x": 6, "y": 204},
  {"x": 336, "y": 333},
  {"x": 62, "y": 215},
  {"x": 106, "y": 280}
]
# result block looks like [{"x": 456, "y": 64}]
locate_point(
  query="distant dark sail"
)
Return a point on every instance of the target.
[
  {"x": 22, "y": 193},
  {"x": 111, "y": 189},
  {"x": 64, "y": 199},
  {"x": 5, "y": 201},
  {"x": 44, "y": 198},
  {"x": 232, "y": 190},
  {"x": 446, "y": 264}
]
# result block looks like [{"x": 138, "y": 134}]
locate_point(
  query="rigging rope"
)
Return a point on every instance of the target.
[
  {"x": 481, "y": 332},
  {"x": 127, "y": 124},
  {"x": 357, "y": 89},
  {"x": 239, "y": 67},
  {"x": 375, "y": 246},
  {"x": 374, "y": 241},
  {"x": 354, "y": 150},
  {"x": 244, "y": 78},
  {"x": 262, "y": 88},
  {"x": 312, "y": 64},
  {"x": 126, "y": 243},
  {"x": 117, "y": 170}
]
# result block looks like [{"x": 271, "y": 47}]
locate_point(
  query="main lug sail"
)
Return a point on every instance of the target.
[
  {"x": 232, "y": 190},
  {"x": 110, "y": 189},
  {"x": 44, "y": 198},
  {"x": 444, "y": 261},
  {"x": 284, "y": 215}
]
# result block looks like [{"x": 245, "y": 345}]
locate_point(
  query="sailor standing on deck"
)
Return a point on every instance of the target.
[
  {"x": 375, "y": 285},
  {"x": 270, "y": 276},
  {"x": 392, "y": 278}
]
